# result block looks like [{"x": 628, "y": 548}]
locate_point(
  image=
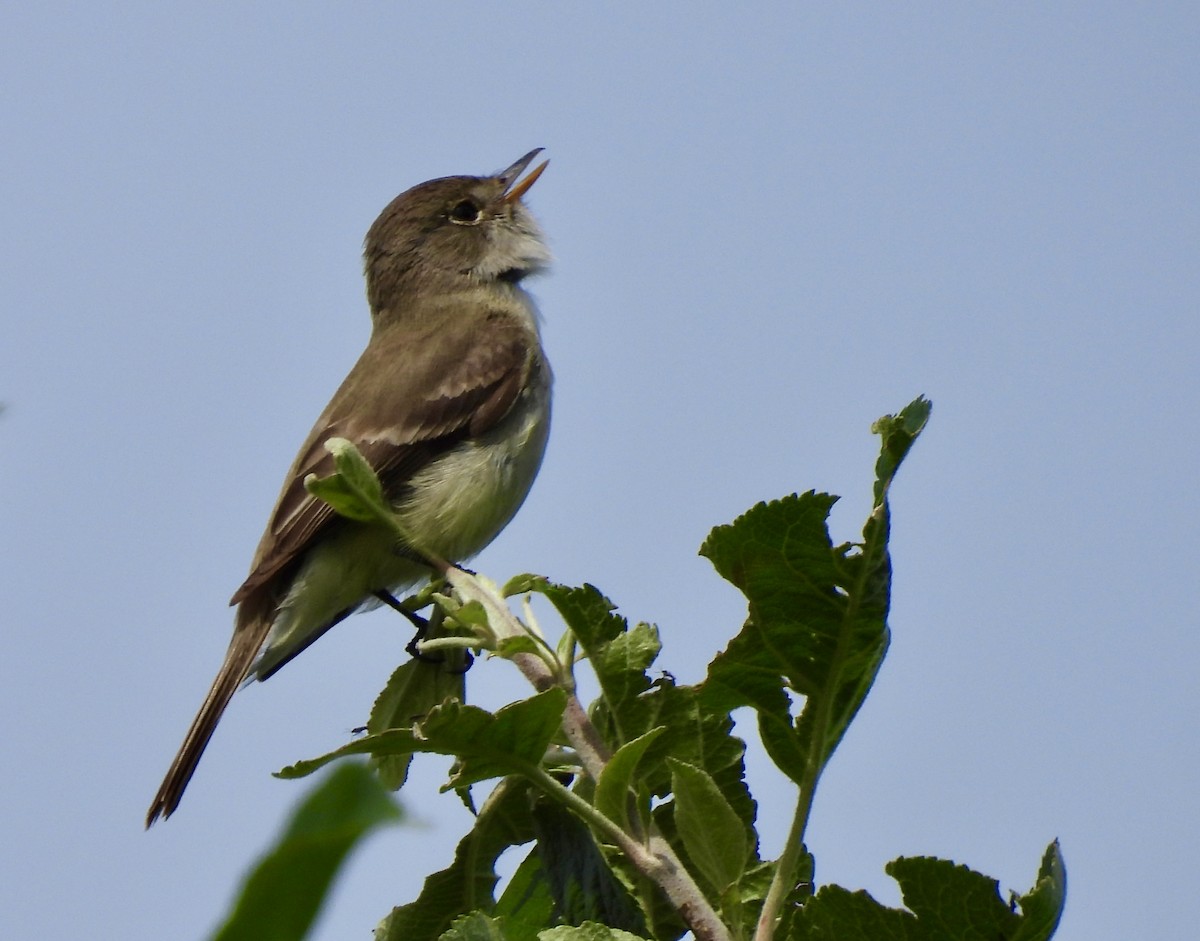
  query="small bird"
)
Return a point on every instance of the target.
[{"x": 450, "y": 405}]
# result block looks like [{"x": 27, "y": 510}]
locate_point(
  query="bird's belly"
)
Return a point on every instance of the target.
[
  {"x": 457, "y": 504},
  {"x": 454, "y": 507}
]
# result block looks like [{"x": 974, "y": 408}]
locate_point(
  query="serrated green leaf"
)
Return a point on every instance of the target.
[
  {"x": 945, "y": 902},
  {"x": 412, "y": 691},
  {"x": 1042, "y": 906},
  {"x": 475, "y": 927},
  {"x": 526, "y": 904},
  {"x": 694, "y": 735},
  {"x": 392, "y": 742},
  {"x": 837, "y": 914},
  {"x": 583, "y": 886},
  {"x": 813, "y": 626},
  {"x": 619, "y": 656},
  {"x": 564, "y": 877},
  {"x": 631, "y": 704},
  {"x": 524, "y": 584},
  {"x": 512, "y": 741},
  {"x": 624, "y": 660},
  {"x": 281, "y": 896},
  {"x": 712, "y": 834},
  {"x": 588, "y": 932},
  {"x": 961, "y": 903},
  {"x": 467, "y": 884},
  {"x": 742, "y": 903},
  {"x": 817, "y": 620},
  {"x": 697, "y": 735},
  {"x": 614, "y": 788}
]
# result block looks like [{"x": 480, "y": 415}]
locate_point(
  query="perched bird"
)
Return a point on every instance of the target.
[{"x": 449, "y": 403}]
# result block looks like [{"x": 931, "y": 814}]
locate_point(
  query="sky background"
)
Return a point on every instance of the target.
[{"x": 773, "y": 223}]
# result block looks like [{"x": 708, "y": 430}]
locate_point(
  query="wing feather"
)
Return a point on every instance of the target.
[{"x": 414, "y": 393}]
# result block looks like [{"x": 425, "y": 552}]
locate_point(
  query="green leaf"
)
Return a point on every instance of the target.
[
  {"x": 812, "y": 627},
  {"x": 697, "y": 735},
  {"x": 961, "y": 903},
  {"x": 898, "y": 432},
  {"x": 945, "y": 902},
  {"x": 282, "y": 895},
  {"x": 615, "y": 786},
  {"x": 817, "y": 620},
  {"x": 527, "y": 904},
  {"x": 700, "y": 737},
  {"x": 412, "y": 691},
  {"x": 354, "y": 491},
  {"x": 390, "y": 743},
  {"x": 837, "y": 914},
  {"x": 1042, "y": 906},
  {"x": 631, "y": 705},
  {"x": 471, "y": 614},
  {"x": 344, "y": 501},
  {"x": 524, "y": 584},
  {"x": 512, "y": 741},
  {"x": 577, "y": 874},
  {"x": 588, "y": 932},
  {"x": 475, "y": 927},
  {"x": 510, "y": 646},
  {"x": 714, "y": 836},
  {"x": 619, "y": 656},
  {"x": 564, "y": 877},
  {"x": 468, "y": 883},
  {"x": 742, "y": 903}
]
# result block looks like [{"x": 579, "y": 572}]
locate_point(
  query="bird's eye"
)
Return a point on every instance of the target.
[{"x": 466, "y": 212}]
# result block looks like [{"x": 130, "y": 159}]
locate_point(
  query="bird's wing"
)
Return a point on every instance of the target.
[{"x": 415, "y": 392}]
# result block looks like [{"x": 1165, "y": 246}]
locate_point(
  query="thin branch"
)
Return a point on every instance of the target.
[
  {"x": 655, "y": 859},
  {"x": 785, "y": 868}
]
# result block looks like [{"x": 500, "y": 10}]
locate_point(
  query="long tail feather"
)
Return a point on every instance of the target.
[{"x": 253, "y": 624}]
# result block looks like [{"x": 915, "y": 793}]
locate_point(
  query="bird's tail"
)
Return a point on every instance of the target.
[{"x": 253, "y": 624}]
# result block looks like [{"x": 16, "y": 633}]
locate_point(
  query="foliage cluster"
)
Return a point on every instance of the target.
[{"x": 638, "y": 817}]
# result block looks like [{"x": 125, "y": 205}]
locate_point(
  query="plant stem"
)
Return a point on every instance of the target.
[
  {"x": 785, "y": 868},
  {"x": 655, "y": 858},
  {"x": 820, "y": 749},
  {"x": 592, "y": 750}
]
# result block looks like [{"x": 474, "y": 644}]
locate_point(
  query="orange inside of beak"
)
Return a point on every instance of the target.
[{"x": 521, "y": 188}]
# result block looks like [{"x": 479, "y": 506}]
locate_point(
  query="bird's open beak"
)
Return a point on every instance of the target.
[{"x": 514, "y": 190}]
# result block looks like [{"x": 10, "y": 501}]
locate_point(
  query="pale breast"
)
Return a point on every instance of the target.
[{"x": 457, "y": 504}]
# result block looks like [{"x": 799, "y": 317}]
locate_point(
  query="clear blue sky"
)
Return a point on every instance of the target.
[{"x": 773, "y": 223}]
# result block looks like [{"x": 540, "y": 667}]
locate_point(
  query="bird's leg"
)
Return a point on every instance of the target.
[{"x": 421, "y": 624}]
